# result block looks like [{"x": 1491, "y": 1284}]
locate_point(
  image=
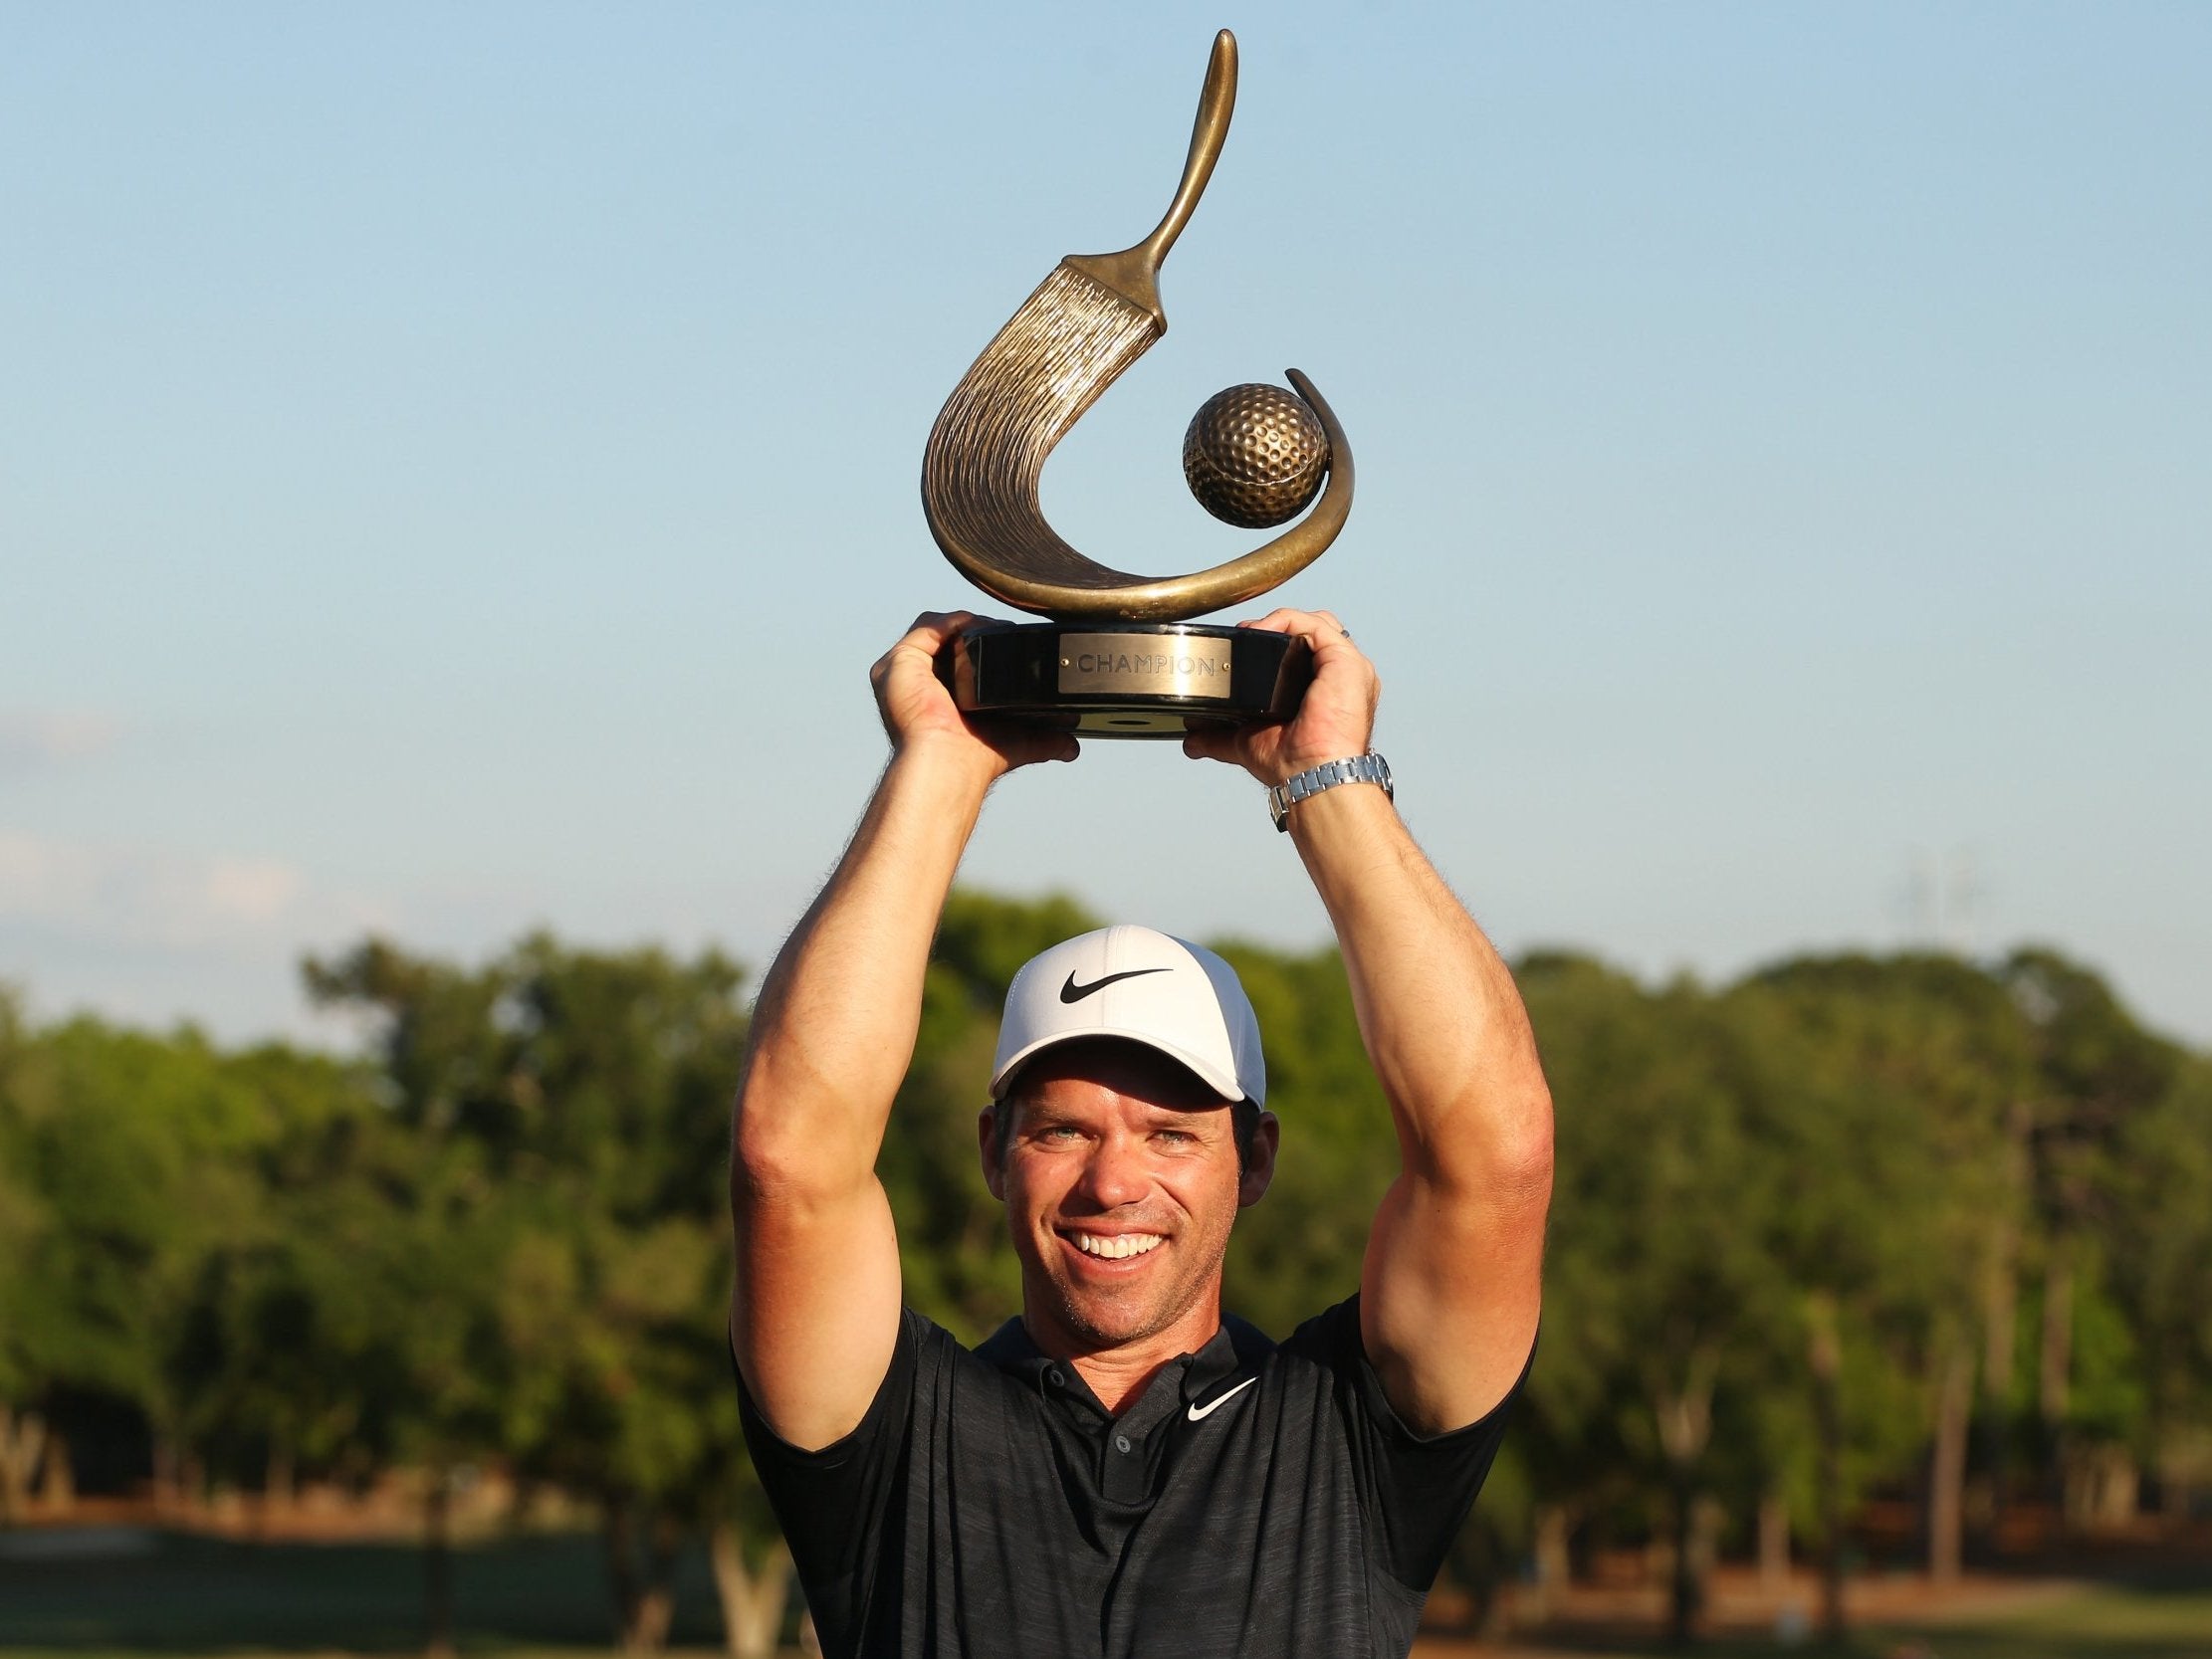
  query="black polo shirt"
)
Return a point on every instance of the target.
[{"x": 1257, "y": 1499}]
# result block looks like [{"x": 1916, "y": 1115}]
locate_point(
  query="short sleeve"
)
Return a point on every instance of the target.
[
  {"x": 1417, "y": 1489},
  {"x": 833, "y": 1504}
]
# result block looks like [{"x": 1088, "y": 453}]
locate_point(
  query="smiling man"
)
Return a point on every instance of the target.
[{"x": 1124, "y": 1468}]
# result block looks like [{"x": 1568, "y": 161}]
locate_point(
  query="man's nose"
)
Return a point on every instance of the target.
[{"x": 1114, "y": 1175}]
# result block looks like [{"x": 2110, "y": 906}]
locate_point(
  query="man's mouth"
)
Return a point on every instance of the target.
[{"x": 1113, "y": 1247}]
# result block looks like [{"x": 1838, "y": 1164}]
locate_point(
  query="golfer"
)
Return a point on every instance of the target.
[{"x": 1124, "y": 1470}]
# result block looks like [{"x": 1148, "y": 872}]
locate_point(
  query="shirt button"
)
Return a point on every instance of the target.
[
  {"x": 1121, "y": 1442},
  {"x": 1056, "y": 1377}
]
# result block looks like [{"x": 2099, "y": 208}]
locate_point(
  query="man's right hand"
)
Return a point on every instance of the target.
[{"x": 917, "y": 709}]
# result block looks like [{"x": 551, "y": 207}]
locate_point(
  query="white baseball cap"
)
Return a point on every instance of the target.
[{"x": 1146, "y": 986}]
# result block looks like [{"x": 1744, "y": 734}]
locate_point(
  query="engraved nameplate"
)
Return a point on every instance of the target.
[{"x": 1152, "y": 665}]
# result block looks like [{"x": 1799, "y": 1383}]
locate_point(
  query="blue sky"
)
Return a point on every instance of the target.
[{"x": 456, "y": 464}]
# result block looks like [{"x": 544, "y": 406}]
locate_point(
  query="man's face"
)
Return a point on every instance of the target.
[{"x": 1120, "y": 1176}]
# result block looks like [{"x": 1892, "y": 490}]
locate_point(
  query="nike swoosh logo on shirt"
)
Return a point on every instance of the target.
[
  {"x": 1219, "y": 1400},
  {"x": 1072, "y": 992}
]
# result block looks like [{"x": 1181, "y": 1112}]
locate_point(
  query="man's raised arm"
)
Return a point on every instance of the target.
[
  {"x": 1452, "y": 1286},
  {"x": 817, "y": 1307}
]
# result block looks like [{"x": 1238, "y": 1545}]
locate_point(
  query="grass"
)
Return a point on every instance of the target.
[
  {"x": 192, "y": 1595},
  {"x": 2108, "y": 1622},
  {"x": 547, "y": 1596},
  {"x": 2151, "y": 1619}
]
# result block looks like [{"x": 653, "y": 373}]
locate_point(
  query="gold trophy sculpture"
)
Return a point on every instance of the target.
[{"x": 1117, "y": 659}]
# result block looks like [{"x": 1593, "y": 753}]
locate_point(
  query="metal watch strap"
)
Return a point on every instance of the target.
[{"x": 1359, "y": 769}]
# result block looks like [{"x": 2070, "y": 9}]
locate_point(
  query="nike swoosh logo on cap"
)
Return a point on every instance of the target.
[
  {"x": 1219, "y": 1400},
  {"x": 1072, "y": 992}
]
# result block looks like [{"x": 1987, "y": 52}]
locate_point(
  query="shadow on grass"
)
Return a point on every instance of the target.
[
  {"x": 2156, "y": 1620},
  {"x": 2166, "y": 1616},
  {"x": 169, "y": 1595},
  {"x": 178, "y": 1593}
]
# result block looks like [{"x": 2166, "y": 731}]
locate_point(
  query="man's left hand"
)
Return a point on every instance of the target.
[{"x": 1334, "y": 721}]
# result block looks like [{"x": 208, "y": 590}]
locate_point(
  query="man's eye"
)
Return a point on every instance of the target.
[{"x": 1176, "y": 1137}]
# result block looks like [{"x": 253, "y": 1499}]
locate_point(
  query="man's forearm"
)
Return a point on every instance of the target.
[
  {"x": 1438, "y": 1010},
  {"x": 835, "y": 1023}
]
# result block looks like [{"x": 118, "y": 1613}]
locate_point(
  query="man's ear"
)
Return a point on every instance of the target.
[
  {"x": 987, "y": 1142},
  {"x": 1260, "y": 1162}
]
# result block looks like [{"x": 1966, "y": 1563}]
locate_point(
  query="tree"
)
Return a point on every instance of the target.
[
  {"x": 580, "y": 1100},
  {"x": 2157, "y": 1195},
  {"x": 1907, "y": 1071},
  {"x": 1301, "y": 1248},
  {"x": 2096, "y": 1072},
  {"x": 1659, "y": 1266},
  {"x": 24, "y": 1224},
  {"x": 141, "y": 1151},
  {"x": 268, "y": 1353}
]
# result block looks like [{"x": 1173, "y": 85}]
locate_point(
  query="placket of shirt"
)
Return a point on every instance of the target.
[
  {"x": 1095, "y": 1430},
  {"x": 1128, "y": 1458}
]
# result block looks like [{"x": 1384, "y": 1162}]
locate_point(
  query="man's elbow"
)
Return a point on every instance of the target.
[
  {"x": 785, "y": 1152},
  {"x": 1524, "y": 1150},
  {"x": 1521, "y": 1174},
  {"x": 1496, "y": 1152}
]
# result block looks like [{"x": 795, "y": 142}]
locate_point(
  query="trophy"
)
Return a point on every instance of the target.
[{"x": 1117, "y": 659}]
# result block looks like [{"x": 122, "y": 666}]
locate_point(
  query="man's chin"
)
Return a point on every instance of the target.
[
  {"x": 1111, "y": 1314},
  {"x": 1106, "y": 1320}
]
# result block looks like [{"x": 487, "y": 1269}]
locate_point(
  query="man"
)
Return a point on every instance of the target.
[{"x": 1121, "y": 1472}]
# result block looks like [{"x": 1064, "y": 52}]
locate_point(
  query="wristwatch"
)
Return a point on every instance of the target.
[{"x": 1360, "y": 769}]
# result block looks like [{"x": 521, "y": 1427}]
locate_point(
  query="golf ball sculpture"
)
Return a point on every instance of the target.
[{"x": 1254, "y": 455}]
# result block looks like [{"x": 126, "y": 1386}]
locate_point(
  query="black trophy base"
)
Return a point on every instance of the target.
[{"x": 1127, "y": 678}]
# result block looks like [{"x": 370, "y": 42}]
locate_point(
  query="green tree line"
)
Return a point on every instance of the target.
[{"x": 1849, "y": 1229}]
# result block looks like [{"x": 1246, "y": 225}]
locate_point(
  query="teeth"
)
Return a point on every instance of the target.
[{"x": 1114, "y": 1249}]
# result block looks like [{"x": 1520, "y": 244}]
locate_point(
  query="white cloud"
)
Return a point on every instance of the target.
[
  {"x": 32, "y": 737},
  {"x": 150, "y": 896}
]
